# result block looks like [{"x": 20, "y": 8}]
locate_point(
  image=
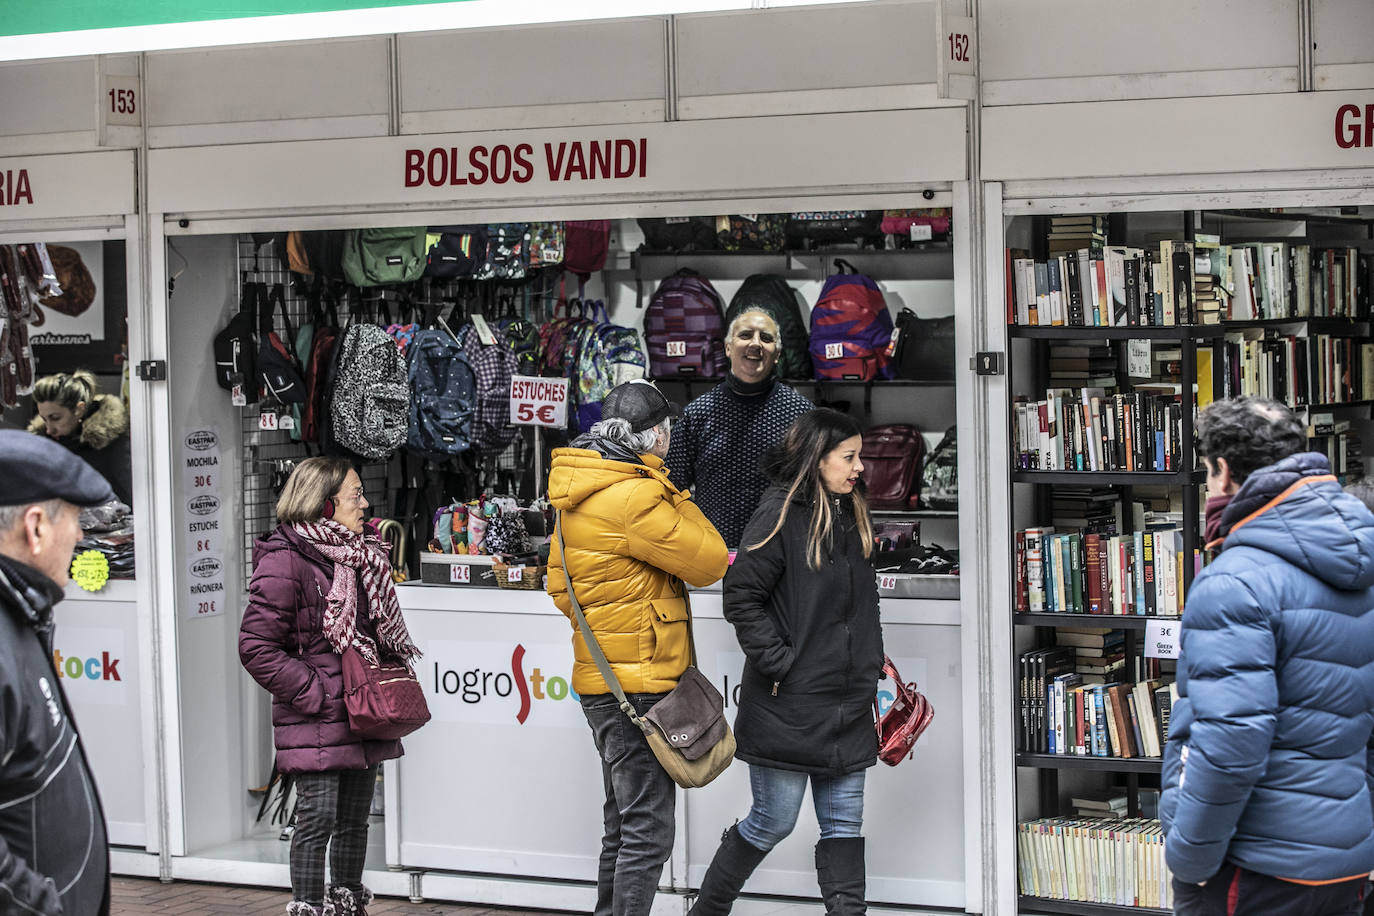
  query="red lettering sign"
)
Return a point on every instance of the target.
[
  {"x": 581, "y": 160},
  {"x": 1351, "y": 132}
]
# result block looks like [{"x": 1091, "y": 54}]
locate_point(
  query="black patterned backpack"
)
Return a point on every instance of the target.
[{"x": 371, "y": 393}]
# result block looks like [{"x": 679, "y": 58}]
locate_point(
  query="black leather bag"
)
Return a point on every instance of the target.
[{"x": 923, "y": 348}]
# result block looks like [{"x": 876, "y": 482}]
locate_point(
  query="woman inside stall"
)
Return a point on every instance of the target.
[
  {"x": 321, "y": 583},
  {"x": 95, "y": 426},
  {"x": 803, "y": 600}
]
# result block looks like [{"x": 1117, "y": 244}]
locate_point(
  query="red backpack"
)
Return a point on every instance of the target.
[
  {"x": 908, "y": 716},
  {"x": 586, "y": 243}
]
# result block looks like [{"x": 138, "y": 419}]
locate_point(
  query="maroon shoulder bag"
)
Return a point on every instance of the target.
[{"x": 384, "y": 701}]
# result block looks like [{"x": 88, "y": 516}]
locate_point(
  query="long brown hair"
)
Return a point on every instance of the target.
[{"x": 795, "y": 463}]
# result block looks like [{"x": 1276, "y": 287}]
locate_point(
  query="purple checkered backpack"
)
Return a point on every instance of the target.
[
  {"x": 684, "y": 328},
  {"x": 851, "y": 329},
  {"x": 492, "y": 366}
]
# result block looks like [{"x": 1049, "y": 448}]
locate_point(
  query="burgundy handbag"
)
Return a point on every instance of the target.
[
  {"x": 908, "y": 716},
  {"x": 893, "y": 456},
  {"x": 384, "y": 701}
]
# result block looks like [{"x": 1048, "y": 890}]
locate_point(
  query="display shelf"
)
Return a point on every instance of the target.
[
  {"x": 915, "y": 513},
  {"x": 1110, "y": 478},
  {"x": 1075, "y": 762},
  {"x": 1046, "y": 905},
  {"x": 1338, "y": 405},
  {"x": 934, "y": 261},
  {"x": 1127, "y": 332},
  {"x": 1333, "y": 326},
  {"x": 817, "y": 383},
  {"x": 1115, "y": 621}
]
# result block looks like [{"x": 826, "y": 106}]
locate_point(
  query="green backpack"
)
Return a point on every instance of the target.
[
  {"x": 770, "y": 293},
  {"x": 377, "y": 257}
]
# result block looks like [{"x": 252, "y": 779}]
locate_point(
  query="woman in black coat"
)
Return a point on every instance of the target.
[{"x": 803, "y": 600}]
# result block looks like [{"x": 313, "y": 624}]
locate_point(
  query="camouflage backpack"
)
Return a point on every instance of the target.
[{"x": 940, "y": 476}]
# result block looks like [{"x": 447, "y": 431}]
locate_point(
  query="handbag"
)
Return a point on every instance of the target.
[
  {"x": 686, "y": 729},
  {"x": 384, "y": 699},
  {"x": 908, "y": 716},
  {"x": 923, "y": 348}
]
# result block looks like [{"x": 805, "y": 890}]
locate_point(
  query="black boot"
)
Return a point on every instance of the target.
[
  {"x": 734, "y": 862},
  {"x": 841, "y": 874}
]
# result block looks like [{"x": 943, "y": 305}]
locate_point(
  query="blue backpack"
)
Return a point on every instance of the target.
[
  {"x": 443, "y": 396},
  {"x": 851, "y": 329}
]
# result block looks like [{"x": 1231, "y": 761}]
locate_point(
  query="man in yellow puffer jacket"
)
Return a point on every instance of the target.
[{"x": 633, "y": 539}]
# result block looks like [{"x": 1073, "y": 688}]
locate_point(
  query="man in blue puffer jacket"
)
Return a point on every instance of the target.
[{"x": 1266, "y": 805}]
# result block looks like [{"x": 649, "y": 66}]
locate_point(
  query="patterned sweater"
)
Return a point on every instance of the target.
[{"x": 719, "y": 443}]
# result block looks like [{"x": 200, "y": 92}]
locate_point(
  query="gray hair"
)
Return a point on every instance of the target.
[
  {"x": 10, "y": 515},
  {"x": 617, "y": 429}
]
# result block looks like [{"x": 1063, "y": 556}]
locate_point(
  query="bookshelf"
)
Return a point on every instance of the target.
[{"x": 1134, "y": 292}]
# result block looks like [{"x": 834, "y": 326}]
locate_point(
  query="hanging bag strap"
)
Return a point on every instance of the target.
[{"x": 594, "y": 647}]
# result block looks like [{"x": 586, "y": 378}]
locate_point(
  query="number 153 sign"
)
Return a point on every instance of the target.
[{"x": 538, "y": 401}]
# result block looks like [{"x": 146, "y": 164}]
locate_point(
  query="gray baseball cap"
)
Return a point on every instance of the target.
[
  {"x": 639, "y": 402},
  {"x": 34, "y": 469}
]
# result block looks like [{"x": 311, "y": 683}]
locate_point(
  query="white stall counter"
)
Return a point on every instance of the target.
[
  {"x": 96, "y": 651},
  {"x": 505, "y": 779}
]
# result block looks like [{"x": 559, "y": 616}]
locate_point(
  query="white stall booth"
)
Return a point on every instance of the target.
[
  {"x": 488, "y": 805},
  {"x": 84, "y": 200},
  {"x": 1243, "y": 158}
]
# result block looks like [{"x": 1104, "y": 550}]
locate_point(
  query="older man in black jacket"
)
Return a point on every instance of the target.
[{"x": 54, "y": 855}]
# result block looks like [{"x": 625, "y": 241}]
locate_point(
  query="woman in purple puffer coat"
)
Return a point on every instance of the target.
[{"x": 322, "y": 582}]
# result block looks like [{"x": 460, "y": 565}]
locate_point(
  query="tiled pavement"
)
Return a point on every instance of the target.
[{"x": 147, "y": 896}]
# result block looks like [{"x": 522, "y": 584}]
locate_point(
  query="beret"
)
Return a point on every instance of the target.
[{"x": 34, "y": 469}]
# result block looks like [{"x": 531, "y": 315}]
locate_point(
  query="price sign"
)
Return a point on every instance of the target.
[
  {"x": 459, "y": 573},
  {"x": 957, "y": 52},
  {"x": 538, "y": 401},
  {"x": 91, "y": 570},
  {"x": 676, "y": 347},
  {"x": 513, "y": 573},
  {"x": 1161, "y": 638},
  {"x": 1138, "y": 358},
  {"x": 887, "y": 582},
  {"x": 267, "y": 419},
  {"x": 203, "y": 585}
]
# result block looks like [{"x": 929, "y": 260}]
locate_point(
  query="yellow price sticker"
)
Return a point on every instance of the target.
[{"x": 91, "y": 570}]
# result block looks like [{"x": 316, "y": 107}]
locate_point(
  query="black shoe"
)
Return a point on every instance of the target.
[
  {"x": 734, "y": 862},
  {"x": 841, "y": 875}
]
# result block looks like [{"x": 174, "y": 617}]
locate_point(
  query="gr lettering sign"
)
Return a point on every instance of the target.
[{"x": 1355, "y": 127}]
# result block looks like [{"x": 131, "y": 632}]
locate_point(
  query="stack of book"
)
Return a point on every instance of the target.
[
  {"x": 1099, "y": 653},
  {"x": 1103, "y": 860},
  {"x": 1104, "y": 803},
  {"x": 1087, "y": 429},
  {"x": 1100, "y": 573},
  {"x": 1078, "y": 365},
  {"x": 1341, "y": 446},
  {"x": 1070, "y": 233}
]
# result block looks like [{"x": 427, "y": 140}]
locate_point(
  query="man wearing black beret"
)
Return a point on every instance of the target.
[{"x": 49, "y": 810}]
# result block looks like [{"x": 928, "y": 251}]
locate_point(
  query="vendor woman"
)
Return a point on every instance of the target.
[
  {"x": 95, "y": 426},
  {"x": 720, "y": 441}
]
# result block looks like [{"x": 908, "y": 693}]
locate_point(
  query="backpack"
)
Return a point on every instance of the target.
[
  {"x": 492, "y": 366},
  {"x": 375, "y": 257},
  {"x": 851, "y": 329},
  {"x": 547, "y": 244},
  {"x": 752, "y": 232},
  {"x": 278, "y": 373},
  {"x": 607, "y": 355},
  {"x": 443, "y": 396},
  {"x": 814, "y": 228},
  {"x": 370, "y": 397},
  {"x": 522, "y": 337},
  {"x": 684, "y": 328},
  {"x": 922, "y": 348},
  {"x": 892, "y": 466},
  {"x": 679, "y": 233},
  {"x": 320, "y": 252},
  {"x": 940, "y": 476},
  {"x": 508, "y": 252},
  {"x": 553, "y": 338},
  {"x": 586, "y": 244},
  {"x": 235, "y": 359},
  {"x": 455, "y": 251},
  {"x": 771, "y": 294},
  {"x": 317, "y": 363}
]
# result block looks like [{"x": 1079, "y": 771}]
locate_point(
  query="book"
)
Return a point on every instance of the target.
[{"x": 1164, "y": 701}]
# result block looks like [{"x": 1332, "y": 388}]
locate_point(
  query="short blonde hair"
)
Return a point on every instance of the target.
[{"x": 312, "y": 482}]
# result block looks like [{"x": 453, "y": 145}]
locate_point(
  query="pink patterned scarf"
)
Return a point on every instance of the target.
[{"x": 368, "y": 555}]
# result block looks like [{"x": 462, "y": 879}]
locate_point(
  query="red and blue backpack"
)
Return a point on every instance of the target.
[{"x": 851, "y": 329}]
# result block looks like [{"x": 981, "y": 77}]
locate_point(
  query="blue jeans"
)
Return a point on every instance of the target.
[
  {"x": 639, "y": 809},
  {"x": 778, "y": 794}
]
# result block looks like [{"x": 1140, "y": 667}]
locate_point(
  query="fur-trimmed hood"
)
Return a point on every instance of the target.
[{"x": 106, "y": 421}]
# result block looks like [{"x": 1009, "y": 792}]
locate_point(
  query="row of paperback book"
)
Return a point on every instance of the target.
[
  {"x": 1140, "y": 573},
  {"x": 1114, "y": 861},
  {"x": 1299, "y": 371},
  {"x": 1060, "y": 714},
  {"x": 1183, "y": 282},
  {"x": 1086, "y": 429}
]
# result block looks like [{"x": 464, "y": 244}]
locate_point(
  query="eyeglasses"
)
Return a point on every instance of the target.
[{"x": 356, "y": 497}]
